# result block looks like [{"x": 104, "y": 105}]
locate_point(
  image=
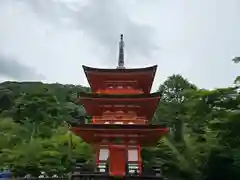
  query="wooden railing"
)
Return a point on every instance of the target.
[
  {"x": 120, "y": 91},
  {"x": 125, "y": 120},
  {"x": 122, "y": 121}
]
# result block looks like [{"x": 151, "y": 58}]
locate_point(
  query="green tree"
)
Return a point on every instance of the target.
[{"x": 171, "y": 109}]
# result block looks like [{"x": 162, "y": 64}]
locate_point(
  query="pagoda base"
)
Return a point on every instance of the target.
[
  {"x": 84, "y": 172},
  {"x": 97, "y": 176}
]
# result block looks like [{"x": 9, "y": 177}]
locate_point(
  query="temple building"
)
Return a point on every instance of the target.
[{"x": 121, "y": 105}]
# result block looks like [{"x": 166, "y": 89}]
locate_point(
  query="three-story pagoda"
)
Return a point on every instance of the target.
[{"x": 120, "y": 106}]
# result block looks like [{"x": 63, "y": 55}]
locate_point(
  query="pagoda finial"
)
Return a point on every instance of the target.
[{"x": 121, "y": 53}]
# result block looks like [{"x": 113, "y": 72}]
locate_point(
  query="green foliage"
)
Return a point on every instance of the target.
[
  {"x": 204, "y": 128},
  {"x": 33, "y": 134}
]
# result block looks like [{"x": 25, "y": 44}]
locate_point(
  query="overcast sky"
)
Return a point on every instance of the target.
[{"x": 49, "y": 40}]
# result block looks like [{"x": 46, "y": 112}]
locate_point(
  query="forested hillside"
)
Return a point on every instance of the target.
[{"x": 203, "y": 144}]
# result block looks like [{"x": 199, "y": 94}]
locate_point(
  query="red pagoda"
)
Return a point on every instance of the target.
[{"x": 120, "y": 106}]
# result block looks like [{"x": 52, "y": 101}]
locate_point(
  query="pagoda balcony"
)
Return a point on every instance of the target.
[
  {"x": 125, "y": 121},
  {"x": 122, "y": 120},
  {"x": 120, "y": 91}
]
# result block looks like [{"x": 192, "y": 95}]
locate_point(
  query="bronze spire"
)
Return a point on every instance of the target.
[{"x": 121, "y": 53}]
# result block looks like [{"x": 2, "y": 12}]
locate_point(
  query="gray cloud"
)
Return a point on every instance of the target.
[
  {"x": 11, "y": 68},
  {"x": 57, "y": 36},
  {"x": 103, "y": 21}
]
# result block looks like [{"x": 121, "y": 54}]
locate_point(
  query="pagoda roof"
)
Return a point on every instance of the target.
[
  {"x": 98, "y": 77},
  {"x": 124, "y": 70},
  {"x": 146, "y": 135},
  {"x": 142, "y": 104}
]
